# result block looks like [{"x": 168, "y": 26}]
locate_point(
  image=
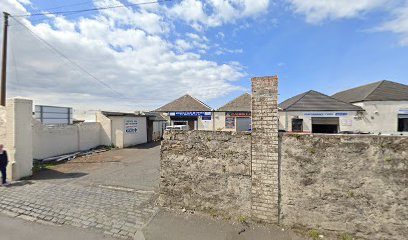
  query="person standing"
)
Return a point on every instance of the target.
[{"x": 3, "y": 164}]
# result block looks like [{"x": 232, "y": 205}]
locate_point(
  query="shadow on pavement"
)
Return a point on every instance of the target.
[
  {"x": 147, "y": 145},
  {"x": 54, "y": 174}
]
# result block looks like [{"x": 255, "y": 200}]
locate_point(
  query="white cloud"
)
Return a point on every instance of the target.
[
  {"x": 136, "y": 58},
  {"x": 213, "y": 13},
  {"x": 318, "y": 10},
  {"x": 397, "y": 25}
]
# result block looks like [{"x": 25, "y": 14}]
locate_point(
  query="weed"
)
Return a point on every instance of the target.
[
  {"x": 212, "y": 212},
  {"x": 346, "y": 237},
  {"x": 350, "y": 194},
  {"x": 242, "y": 219},
  {"x": 313, "y": 234}
]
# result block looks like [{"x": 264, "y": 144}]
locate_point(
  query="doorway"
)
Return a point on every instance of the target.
[
  {"x": 403, "y": 123},
  {"x": 325, "y": 124}
]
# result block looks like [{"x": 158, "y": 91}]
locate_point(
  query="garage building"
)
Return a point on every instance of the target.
[
  {"x": 385, "y": 104},
  {"x": 315, "y": 112},
  {"x": 190, "y": 111}
]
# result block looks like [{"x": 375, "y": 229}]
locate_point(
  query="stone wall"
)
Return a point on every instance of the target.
[
  {"x": 207, "y": 171},
  {"x": 265, "y": 171},
  {"x": 346, "y": 184}
]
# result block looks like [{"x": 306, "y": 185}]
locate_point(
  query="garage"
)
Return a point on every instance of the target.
[{"x": 325, "y": 124}]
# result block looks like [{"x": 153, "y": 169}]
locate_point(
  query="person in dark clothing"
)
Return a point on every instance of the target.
[{"x": 3, "y": 164}]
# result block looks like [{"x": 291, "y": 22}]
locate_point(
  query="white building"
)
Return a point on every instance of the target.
[
  {"x": 314, "y": 112},
  {"x": 385, "y": 104}
]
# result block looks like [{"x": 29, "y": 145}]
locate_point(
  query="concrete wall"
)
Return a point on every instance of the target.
[
  {"x": 105, "y": 133},
  {"x": 346, "y": 184},
  {"x": 205, "y": 124},
  {"x": 158, "y": 130},
  {"x": 207, "y": 171},
  {"x": 3, "y": 123},
  {"x": 51, "y": 141},
  {"x": 140, "y": 136},
  {"x": 380, "y": 116},
  {"x": 18, "y": 139}
]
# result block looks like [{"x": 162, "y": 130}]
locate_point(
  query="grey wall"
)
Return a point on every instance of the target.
[
  {"x": 347, "y": 184},
  {"x": 207, "y": 171}
]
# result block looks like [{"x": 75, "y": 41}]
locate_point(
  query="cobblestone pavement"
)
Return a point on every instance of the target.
[{"x": 118, "y": 210}]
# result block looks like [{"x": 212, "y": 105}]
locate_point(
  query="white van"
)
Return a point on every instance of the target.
[{"x": 178, "y": 128}]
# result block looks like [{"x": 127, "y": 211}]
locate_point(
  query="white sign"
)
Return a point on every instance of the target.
[
  {"x": 346, "y": 122},
  {"x": 325, "y": 114},
  {"x": 403, "y": 111},
  {"x": 131, "y": 126}
]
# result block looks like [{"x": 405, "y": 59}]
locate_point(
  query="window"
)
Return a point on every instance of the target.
[
  {"x": 403, "y": 123},
  {"x": 297, "y": 125},
  {"x": 229, "y": 122}
]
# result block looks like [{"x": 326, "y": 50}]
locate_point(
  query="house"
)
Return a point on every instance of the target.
[
  {"x": 315, "y": 112},
  {"x": 235, "y": 115},
  {"x": 385, "y": 104},
  {"x": 190, "y": 111}
]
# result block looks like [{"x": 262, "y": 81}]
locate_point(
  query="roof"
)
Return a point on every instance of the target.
[
  {"x": 316, "y": 101},
  {"x": 155, "y": 116},
  {"x": 379, "y": 91},
  {"x": 239, "y": 104},
  {"x": 121, "y": 114},
  {"x": 185, "y": 103}
]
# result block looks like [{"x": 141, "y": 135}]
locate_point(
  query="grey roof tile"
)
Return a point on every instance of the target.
[
  {"x": 316, "y": 101},
  {"x": 185, "y": 103},
  {"x": 239, "y": 104},
  {"x": 378, "y": 91}
]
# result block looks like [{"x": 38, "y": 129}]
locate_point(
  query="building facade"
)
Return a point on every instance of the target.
[
  {"x": 385, "y": 105},
  {"x": 315, "y": 112},
  {"x": 235, "y": 115}
]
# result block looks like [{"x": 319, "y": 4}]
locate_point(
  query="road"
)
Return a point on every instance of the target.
[{"x": 111, "y": 195}]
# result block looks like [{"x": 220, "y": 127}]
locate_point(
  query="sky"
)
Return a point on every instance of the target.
[{"x": 143, "y": 56}]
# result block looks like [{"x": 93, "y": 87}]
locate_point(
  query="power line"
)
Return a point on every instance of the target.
[
  {"x": 67, "y": 58},
  {"x": 90, "y": 9}
]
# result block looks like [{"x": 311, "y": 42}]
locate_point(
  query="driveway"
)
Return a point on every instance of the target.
[{"x": 111, "y": 194}]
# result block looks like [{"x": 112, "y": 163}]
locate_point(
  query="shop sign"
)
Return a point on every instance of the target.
[
  {"x": 230, "y": 122},
  {"x": 403, "y": 111},
  {"x": 238, "y": 114},
  {"x": 325, "y": 114},
  {"x": 206, "y": 118},
  {"x": 189, "y": 114},
  {"x": 130, "y": 126}
]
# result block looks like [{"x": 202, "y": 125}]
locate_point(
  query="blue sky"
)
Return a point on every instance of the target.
[{"x": 209, "y": 49}]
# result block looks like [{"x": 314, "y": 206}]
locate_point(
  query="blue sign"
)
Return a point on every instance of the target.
[
  {"x": 189, "y": 114},
  {"x": 325, "y": 114}
]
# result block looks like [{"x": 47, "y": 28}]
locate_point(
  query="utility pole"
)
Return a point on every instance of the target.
[{"x": 4, "y": 61}]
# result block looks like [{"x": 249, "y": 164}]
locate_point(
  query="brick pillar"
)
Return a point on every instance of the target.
[
  {"x": 265, "y": 149},
  {"x": 19, "y": 141}
]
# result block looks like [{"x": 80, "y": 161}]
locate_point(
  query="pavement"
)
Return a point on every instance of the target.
[{"x": 110, "y": 195}]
